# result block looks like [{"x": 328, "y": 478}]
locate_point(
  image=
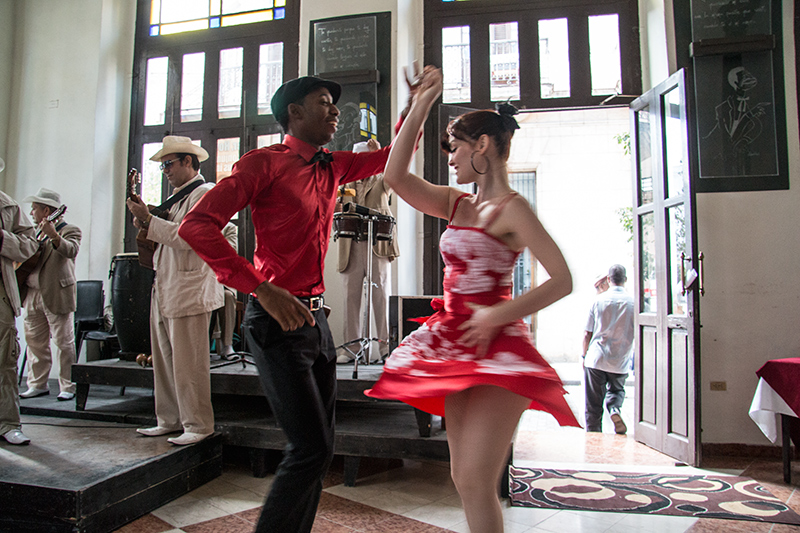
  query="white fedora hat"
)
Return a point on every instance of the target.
[
  {"x": 46, "y": 197},
  {"x": 175, "y": 144}
]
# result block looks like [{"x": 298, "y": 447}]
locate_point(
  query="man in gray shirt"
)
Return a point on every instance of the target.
[{"x": 607, "y": 352}]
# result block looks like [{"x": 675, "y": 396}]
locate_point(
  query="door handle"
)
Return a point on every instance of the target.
[{"x": 700, "y": 258}]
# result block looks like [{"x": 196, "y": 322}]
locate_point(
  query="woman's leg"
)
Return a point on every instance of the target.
[{"x": 480, "y": 425}]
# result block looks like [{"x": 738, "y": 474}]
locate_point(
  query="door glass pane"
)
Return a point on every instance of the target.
[
  {"x": 151, "y": 175},
  {"x": 674, "y": 134},
  {"x": 554, "y": 58},
  {"x": 647, "y": 260},
  {"x": 604, "y": 54},
  {"x": 270, "y": 74},
  {"x": 676, "y": 227},
  {"x": 268, "y": 140},
  {"x": 155, "y": 99},
  {"x": 227, "y": 155},
  {"x": 645, "y": 156},
  {"x": 504, "y": 60},
  {"x": 230, "y": 82},
  {"x": 456, "y": 65},
  {"x": 194, "y": 67}
]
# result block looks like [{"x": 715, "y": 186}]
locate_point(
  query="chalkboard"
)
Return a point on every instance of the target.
[
  {"x": 717, "y": 19},
  {"x": 345, "y": 44}
]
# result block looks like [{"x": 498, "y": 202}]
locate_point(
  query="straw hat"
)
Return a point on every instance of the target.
[
  {"x": 175, "y": 144},
  {"x": 45, "y": 197}
]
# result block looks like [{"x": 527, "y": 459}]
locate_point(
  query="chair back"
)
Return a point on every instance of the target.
[{"x": 90, "y": 301}]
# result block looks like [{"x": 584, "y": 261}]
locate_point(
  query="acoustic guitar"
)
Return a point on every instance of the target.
[
  {"x": 23, "y": 270},
  {"x": 145, "y": 246}
]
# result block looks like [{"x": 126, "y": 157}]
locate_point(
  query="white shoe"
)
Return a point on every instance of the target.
[
  {"x": 33, "y": 393},
  {"x": 65, "y": 396},
  {"x": 188, "y": 438},
  {"x": 16, "y": 436},
  {"x": 227, "y": 350},
  {"x": 157, "y": 431}
]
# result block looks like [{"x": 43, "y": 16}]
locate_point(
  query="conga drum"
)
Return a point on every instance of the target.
[{"x": 131, "y": 284}]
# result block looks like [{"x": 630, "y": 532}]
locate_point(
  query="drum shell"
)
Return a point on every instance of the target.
[
  {"x": 131, "y": 285},
  {"x": 383, "y": 227},
  {"x": 349, "y": 226}
]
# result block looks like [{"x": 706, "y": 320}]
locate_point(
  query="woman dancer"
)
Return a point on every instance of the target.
[{"x": 473, "y": 361}]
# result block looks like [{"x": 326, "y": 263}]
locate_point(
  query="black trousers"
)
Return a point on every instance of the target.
[
  {"x": 602, "y": 387},
  {"x": 298, "y": 374}
]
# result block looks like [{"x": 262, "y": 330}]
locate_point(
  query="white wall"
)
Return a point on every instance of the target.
[
  {"x": 6, "y": 50},
  {"x": 69, "y": 115},
  {"x": 751, "y": 310}
]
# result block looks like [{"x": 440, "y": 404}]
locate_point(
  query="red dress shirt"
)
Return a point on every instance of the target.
[{"x": 292, "y": 203}]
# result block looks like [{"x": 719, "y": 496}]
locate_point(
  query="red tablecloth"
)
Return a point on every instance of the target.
[{"x": 783, "y": 375}]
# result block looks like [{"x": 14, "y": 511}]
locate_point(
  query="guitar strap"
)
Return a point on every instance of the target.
[{"x": 161, "y": 211}]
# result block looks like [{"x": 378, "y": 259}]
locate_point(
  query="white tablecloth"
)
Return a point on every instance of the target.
[{"x": 766, "y": 409}]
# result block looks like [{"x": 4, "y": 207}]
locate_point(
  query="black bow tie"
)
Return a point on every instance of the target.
[{"x": 325, "y": 157}]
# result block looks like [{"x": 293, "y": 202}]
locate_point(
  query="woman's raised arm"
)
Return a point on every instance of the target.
[{"x": 420, "y": 194}]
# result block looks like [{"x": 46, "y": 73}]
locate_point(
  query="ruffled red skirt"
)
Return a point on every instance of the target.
[{"x": 431, "y": 363}]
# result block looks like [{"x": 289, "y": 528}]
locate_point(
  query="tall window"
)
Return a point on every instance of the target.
[
  {"x": 207, "y": 70},
  {"x": 536, "y": 54}
]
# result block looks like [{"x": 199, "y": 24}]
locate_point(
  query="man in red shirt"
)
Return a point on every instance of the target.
[{"x": 291, "y": 189}]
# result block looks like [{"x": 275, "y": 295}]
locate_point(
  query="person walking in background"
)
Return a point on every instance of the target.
[
  {"x": 372, "y": 193},
  {"x": 474, "y": 361},
  {"x": 607, "y": 352},
  {"x": 50, "y": 298},
  {"x": 17, "y": 244}
]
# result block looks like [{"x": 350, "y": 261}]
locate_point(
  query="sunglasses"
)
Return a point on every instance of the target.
[{"x": 166, "y": 164}]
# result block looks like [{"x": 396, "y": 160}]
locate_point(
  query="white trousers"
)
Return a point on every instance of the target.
[
  {"x": 353, "y": 284},
  {"x": 40, "y": 325},
  {"x": 182, "y": 370}
]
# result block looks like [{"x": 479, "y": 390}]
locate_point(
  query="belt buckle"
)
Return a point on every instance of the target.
[{"x": 315, "y": 303}]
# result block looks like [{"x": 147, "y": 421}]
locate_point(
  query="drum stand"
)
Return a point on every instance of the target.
[{"x": 365, "y": 343}]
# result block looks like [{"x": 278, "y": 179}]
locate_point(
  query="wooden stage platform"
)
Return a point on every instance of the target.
[
  {"x": 87, "y": 476},
  {"x": 77, "y": 472}
]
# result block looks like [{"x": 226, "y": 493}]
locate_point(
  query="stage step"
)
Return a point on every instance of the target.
[{"x": 89, "y": 476}]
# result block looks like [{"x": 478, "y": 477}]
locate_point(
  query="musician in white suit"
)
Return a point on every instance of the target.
[
  {"x": 184, "y": 294},
  {"x": 17, "y": 243},
  {"x": 49, "y": 296}
]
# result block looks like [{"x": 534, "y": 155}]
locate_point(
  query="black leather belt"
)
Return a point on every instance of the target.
[{"x": 314, "y": 303}]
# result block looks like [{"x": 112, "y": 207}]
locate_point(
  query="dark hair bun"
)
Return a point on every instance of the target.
[{"x": 507, "y": 112}]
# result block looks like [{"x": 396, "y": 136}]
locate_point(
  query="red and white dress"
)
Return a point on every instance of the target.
[{"x": 432, "y": 362}]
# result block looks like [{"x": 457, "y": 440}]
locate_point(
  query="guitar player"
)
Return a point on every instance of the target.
[
  {"x": 49, "y": 295},
  {"x": 184, "y": 294}
]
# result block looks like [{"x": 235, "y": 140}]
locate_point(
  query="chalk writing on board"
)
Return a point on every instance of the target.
[
  {"x": 714, "y": 19},
  {"x": 344, "y": 44}
]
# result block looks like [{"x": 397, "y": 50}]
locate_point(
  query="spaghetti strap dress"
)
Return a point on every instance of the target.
[{"x": 432, "y": 362}]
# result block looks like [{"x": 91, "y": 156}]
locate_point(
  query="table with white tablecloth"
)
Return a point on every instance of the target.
[{"x": 776, "y": 403}]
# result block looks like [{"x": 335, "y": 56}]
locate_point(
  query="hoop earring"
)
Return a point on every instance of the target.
[{"x": 472, "y": 162}]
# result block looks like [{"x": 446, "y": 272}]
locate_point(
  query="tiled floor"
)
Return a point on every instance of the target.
[{"x": 419, "y": 497}]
